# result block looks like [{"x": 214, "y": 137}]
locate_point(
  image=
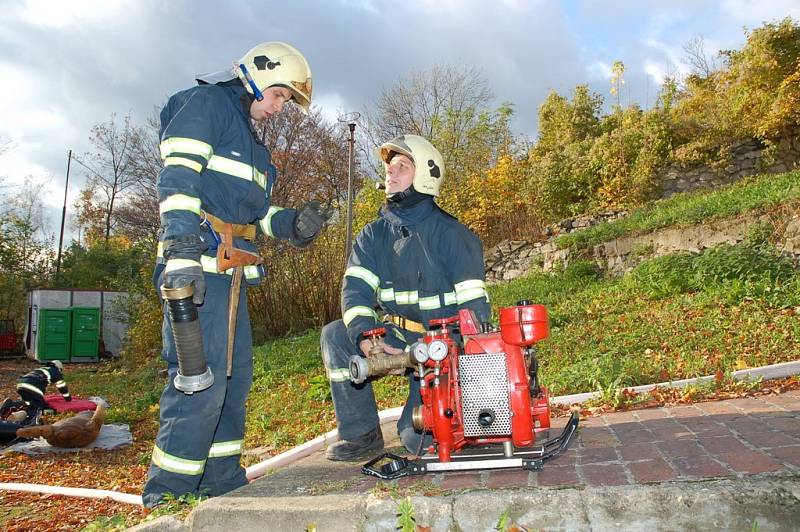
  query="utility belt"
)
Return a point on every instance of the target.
[
  {"x": 403, "y": 323},
  {"x": 223, "y": 233}
]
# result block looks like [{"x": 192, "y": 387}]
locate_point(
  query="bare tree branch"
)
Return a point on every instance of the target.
[
  {"x": 137, "y": 215},
  {"x": 441, "y": 104},
  {"x": 109, "y": 169},
  {"x": 695, "y": 54}
]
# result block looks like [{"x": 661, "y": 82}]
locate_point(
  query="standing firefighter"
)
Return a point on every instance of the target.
[
  {"x": 32, "y": 385},
  {"x": 415, "y": 263},
  {"x": 214, "y": 197}
]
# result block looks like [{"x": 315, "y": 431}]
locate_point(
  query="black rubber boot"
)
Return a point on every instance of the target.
[{"x": 357, "y": 448}]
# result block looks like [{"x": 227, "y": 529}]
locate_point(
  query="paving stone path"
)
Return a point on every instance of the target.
[{"x": 719, "y": 439}]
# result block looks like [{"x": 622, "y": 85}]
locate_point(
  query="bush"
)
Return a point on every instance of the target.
[
  {"x": 731, "y": 273},
  {"x": 662, "y": 276}
]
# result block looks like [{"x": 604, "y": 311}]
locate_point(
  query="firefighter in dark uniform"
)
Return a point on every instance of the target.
[
  {"x": 216, "y": 185},
  {"x": 31, "y": 386},
  {"x": 413, "y": 264}
]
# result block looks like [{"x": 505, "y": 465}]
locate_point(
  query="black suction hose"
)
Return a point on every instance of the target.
[{"x": 194, "y": 375}]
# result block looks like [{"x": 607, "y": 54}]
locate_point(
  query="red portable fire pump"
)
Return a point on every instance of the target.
[{"x": 479, "y": 388}]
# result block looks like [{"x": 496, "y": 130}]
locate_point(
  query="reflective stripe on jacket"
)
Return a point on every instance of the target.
[{"x": 38, "y": 380}]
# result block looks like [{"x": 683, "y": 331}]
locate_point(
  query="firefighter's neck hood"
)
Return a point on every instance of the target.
[
  {"x": 406, "y": 198},
  {"x": 410, "y": 210}
]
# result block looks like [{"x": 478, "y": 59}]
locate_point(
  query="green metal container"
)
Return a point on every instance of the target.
[
  {"x": 85, "y": 334},
  {"x": 53, "y": 335}
]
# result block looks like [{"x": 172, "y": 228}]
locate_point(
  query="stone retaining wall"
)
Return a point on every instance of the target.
[
  {"x": 747, "y": 158},
  {"x": 511, "y": 259}
]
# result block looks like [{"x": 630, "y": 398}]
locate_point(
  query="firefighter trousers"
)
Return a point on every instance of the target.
[
  {"x": 33, "y": 400},
  {"x": 354, "y": 404},
  {"x": 200, "y": 436}
]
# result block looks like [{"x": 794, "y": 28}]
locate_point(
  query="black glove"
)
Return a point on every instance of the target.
[
  {"x": 183, "y": 272},
  {"x": 309, "y": 221}
]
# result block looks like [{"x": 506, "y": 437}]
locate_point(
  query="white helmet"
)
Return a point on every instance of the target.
[
  {"x": 58, "y": 364},
  {"x": 428, "y": 162},
  {"x": 276, "y": 63}
]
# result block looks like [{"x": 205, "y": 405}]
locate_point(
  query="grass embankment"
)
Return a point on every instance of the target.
[
  {"x": 671, "y": 318},
  {"x": 751, "y": 194}
]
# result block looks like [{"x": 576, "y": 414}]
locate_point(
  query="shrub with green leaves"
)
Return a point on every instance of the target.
[{"x": 732, "y": 273}]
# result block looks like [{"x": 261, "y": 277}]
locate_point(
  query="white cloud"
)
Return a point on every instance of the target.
[
  {"x": 331, "y": 105},
  {"x": 657, "y": 71},
  {"x": 599, "y": 70},
  {"x": 753, "y": 12},
  {"x": 20, "y": 169},
  {"x": 60, "y": 13}
]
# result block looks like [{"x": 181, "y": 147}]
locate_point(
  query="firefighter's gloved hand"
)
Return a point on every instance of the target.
[
  {"x": 179, "y": 273},
  {"x": 310, "y": 219}
]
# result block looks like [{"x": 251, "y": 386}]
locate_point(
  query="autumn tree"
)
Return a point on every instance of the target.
[
  {"x": 109, "y": 169},
  {"x": 754, "y": 94},
  {"x": 446, "y": 105},
  {"x": 26, "y": 248},
  {"x": 560, "y": 180},
  {"x": 311, "y": 157},
  {"x": 309, "y": 154},
  {"x": 137, "y": 214}
]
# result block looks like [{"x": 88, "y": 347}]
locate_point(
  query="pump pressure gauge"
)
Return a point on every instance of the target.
[
  {"x": 437, "y": 350},
  {"x": 420, "y": 351}
]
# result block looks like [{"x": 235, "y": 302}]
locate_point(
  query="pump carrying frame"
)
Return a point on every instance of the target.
[{"x": 530, "y": 458}]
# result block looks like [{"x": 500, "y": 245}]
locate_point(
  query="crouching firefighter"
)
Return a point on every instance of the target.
[
  {"x": 214, "y": 197},
  {"x": 414, "y": 263},
  {"x": 31, "y": 387}
]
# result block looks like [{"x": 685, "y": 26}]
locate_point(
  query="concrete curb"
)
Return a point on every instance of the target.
[
  {"x": 167, "y": 523},
  {"x": 772, "y": 502},
  {"x": 773, "y": 371}
]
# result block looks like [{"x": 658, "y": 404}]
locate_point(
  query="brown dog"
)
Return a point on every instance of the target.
[{"x": 77, "y": 431}]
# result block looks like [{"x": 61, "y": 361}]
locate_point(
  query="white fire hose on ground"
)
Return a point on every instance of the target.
[{"x": 774, "y": 371}]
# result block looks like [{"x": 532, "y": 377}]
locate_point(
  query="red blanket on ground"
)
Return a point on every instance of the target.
[{"x": 57, "y": 403}]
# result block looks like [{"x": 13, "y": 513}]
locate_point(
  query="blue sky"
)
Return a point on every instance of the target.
[{"x": 68, "y": 64}]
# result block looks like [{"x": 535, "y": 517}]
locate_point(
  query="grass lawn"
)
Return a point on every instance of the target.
[{"x": 671, "y": 318}]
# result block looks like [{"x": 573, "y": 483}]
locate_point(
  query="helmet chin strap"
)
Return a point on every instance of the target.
[{"x": 253, "y": 86}]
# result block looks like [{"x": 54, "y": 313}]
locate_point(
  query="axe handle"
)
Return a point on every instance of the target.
[{"x": 233, "y": 310}]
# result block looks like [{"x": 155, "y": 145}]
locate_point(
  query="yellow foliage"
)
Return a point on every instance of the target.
[
  {"x": 493, "y": 204},
  {"x": 144, "y": 335}
]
